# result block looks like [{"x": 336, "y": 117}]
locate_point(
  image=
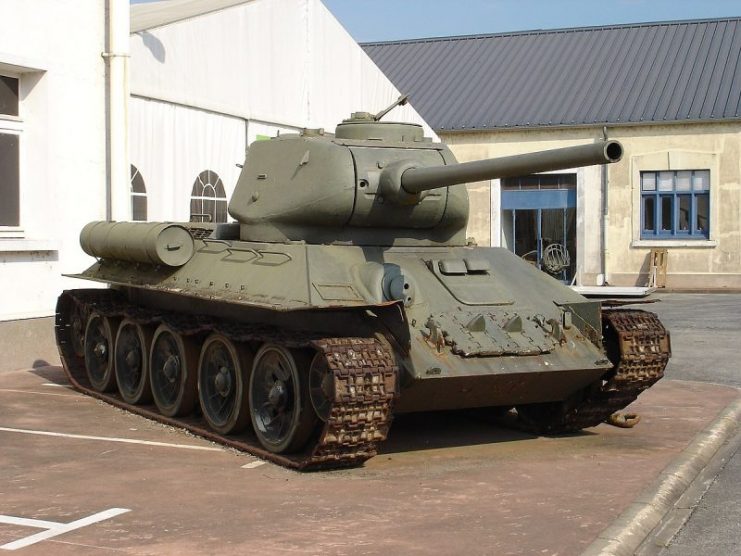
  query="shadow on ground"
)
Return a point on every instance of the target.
[{"x": 414, "y": 431}]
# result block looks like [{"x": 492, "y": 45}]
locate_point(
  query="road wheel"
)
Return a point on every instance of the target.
[
  {"x": 172, "y": 372},
  {"x": 321, "y": 386},
  {"x": 98, "y": 349},
  {"x": 223, "y": 378},
  {"x": 133, "y": 342},
  {"x": 77, "y": 330},
  {"x": 280, "y": 405}
]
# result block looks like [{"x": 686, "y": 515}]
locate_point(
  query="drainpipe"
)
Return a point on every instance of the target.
[
  {"x": 605, "y": 217},
  {"x": 116, "y": 56}
]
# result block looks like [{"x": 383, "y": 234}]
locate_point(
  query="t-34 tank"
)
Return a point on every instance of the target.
[{"x": 346, "y": 292}]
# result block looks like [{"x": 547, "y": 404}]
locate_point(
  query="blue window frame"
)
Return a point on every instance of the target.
[{"x": 675, "y": 204}]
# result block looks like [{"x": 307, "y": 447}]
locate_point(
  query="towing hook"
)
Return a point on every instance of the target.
[{"x": 623, "y": 420}]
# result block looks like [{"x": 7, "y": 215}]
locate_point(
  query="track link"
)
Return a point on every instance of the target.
[
  {"x": 365, "y": 379},
  {"x": 640, "y": 345}
]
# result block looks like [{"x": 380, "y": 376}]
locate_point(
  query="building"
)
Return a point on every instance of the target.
[
  {"x": 670, "y": 92},
  {"x": 209, "y": 77},
  {"x": 58, "y": 163},
  {"x": 146, "y": 115}
]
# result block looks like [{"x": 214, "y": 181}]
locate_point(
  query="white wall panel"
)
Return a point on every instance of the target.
[
  {"x": 171, "y": 145},
  {"x": 288, "y": 62}
]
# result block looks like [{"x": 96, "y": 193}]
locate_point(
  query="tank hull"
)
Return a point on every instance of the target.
[
  {"x": 437, "y": 329},
  {"x": 339, "y": 290}
]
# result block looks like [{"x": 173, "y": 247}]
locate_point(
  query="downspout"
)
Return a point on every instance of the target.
[
  {"x": 605, "y": 217},
  {"x": 116, "y": 56}
]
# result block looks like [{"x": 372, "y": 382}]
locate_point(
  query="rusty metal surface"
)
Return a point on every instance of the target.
[{"x": 365, "y": 379}]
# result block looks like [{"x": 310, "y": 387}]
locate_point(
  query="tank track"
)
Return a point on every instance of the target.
[
  {"x": 365, "y": 376},
  {"x": 641, "y": 347}
]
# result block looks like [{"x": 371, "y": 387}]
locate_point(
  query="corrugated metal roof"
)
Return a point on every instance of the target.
[
  {"x": 156, "y": 14},
  {"x": 641, "y": 73}
]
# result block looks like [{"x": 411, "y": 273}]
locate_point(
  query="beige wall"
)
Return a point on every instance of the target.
[{"x": 715, "y": 263}]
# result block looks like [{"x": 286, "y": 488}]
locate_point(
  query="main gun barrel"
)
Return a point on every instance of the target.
[{"x": 417, "y": 180}]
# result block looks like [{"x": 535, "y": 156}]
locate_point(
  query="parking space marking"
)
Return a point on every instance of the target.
[
  {"x": 27, "y": 522},
  {"x": 113, "y": 439},
  {"x": 43, "y": 393},
  {"x": 253, "y": 464},
  {"x": 53, "y": 528}
]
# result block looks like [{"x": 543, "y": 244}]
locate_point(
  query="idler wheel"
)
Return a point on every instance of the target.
[
  {"x": 172, "y": 372},
  {"x": 280, "y": 405},
  {"x": 98, "y": 348},
  {"x": 223, "y": 376},
  {"x": 133, "y": 342}
]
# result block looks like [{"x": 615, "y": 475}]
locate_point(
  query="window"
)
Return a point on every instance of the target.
[
  {"x": 208, "y": 198},
  {"x": 8, "y": 95},
  {"x": 9, "y": 152},
  {"x": 138, "y": 196},
  {"x": 675, "y": 204},
  {"x": 540, "y": 181}
]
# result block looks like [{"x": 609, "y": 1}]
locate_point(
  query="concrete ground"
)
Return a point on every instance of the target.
[{"x": 444, "y": 483}]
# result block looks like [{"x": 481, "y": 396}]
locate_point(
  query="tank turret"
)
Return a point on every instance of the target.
[{"x": 374, "y": 183}]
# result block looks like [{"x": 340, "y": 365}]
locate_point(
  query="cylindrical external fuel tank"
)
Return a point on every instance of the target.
[{"x": 158, "y": 243}]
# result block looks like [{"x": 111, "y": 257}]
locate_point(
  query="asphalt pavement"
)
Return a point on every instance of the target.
[{"x": 706, "y": 348}]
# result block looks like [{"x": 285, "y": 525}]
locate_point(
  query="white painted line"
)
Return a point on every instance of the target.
[
  {"x": 54, "y": 384},
  {"x": 253, "y": 464},
  {"x": 112, "y": 439},
  {"x": 54, "y": 529},
  {"x": 45, "y": 394},
  {"x": 26, "y": 522}
]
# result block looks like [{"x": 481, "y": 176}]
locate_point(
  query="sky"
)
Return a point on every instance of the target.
[{"x": 384, "y": 20}]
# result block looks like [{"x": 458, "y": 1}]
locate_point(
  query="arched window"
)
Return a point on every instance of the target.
[
  {"x": 208, "y": 198},
  {"x": 138, "y": 196}
]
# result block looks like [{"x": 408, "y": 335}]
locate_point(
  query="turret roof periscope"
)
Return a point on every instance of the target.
[{"x": 647, "y": 73}]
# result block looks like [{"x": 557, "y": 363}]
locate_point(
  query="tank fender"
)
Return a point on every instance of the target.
[{"x": 587, "y": 317}]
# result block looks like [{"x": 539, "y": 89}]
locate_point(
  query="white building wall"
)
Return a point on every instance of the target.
[
  {"x": 55, "y": 48},
  {"x": 285, "y": 62},
  {"x": 171, "y": 145}
]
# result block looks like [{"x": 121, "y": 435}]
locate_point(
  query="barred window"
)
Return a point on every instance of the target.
[{"x": 208, "y": 198}]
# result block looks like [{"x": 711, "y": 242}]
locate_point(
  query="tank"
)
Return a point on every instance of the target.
[{"x": 345, "y": 292}]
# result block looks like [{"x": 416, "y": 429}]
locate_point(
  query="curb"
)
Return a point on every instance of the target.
[{"x": 631, "y": 528}]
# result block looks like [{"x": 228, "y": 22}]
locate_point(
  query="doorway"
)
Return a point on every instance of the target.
[{"x": 539, "y": 211}]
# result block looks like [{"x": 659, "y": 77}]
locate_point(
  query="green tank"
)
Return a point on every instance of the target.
[{"x": 346, "y": 292}]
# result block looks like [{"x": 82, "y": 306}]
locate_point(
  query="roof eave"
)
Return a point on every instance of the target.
[{"x": 597, "y": 125}]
